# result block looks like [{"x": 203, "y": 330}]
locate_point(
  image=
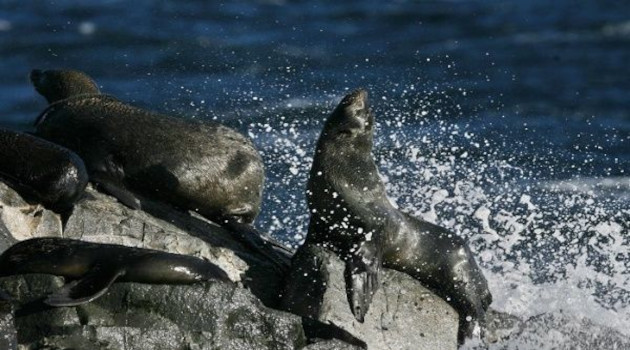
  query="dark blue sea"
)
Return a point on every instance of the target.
[{"x": 505, "y": 121}]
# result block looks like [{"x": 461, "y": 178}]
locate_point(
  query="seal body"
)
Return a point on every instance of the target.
[
  {"x": 351, "y": 214},
  {"x": 40, "y": 170},
  {"x": 195, "y": 165},
  {"x": 442, "y": 262},
  {"x": 94, "y": 267},
  {"x": 347, "y": 199}
]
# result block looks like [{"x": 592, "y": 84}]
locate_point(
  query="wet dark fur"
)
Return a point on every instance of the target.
[
  {"x": 75, "y": 259},
  {"x": 194, "y": 165},
  {"x": 351, "y": 214},
  {"x": 40, "y": 170}
]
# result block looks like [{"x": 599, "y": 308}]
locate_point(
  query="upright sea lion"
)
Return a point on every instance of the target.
[
  {"x": 40, "y": 170},
  {"x": 351, "y": 214},
  {"x": 93, "y": 267},
  {"x": 195, "y": 165}
]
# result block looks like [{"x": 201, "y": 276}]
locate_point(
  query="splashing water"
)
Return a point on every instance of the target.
[{"x": 545, "y": 245}]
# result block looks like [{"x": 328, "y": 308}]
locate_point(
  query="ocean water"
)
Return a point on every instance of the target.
[{"x": 505, "y": 121}]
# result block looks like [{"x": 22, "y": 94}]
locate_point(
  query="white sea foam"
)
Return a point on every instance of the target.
[{"x": 618, "y": 186}]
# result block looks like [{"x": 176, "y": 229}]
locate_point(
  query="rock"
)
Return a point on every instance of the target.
[
  {"x": 211, "y": 315},
  {"x": 8, "y": 334},
  {"x": 402, "y": 315},
  {"x": 334, "y": 344},
  {"x": 23, "y": 220},
  {"x": 137, "y": 316},
  {"x": 6, "y": 238},
  {"x": 102, "y": 219}
]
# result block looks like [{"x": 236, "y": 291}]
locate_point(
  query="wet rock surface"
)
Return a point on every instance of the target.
[
  {"x": 102, "y": 219},
  {"x": 332, "y": 345},
  {"x": 402, "y": 315},
  {"x": 139, "y": 316},
  {"x": 20, "y": 220},
  {"x": 212, "y": 315},
  {"x": 560, "y": 331},
  {"x": 8, "y": 333}
]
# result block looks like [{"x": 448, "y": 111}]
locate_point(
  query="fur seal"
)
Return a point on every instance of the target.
[
  {"x": 194, "y": 165},
  {"x": 40, "y": 170},
  {"x": 93, "y": 267},
  {"x": 352, "y": 215}
]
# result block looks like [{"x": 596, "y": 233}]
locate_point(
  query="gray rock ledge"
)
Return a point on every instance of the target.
[
  {"x": 403, "y": 314},
  {"x": 213, "y": 315}
]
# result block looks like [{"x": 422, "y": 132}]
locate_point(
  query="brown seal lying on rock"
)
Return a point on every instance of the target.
[
  {"x": 93, "y": 267},
  {"x": 351, "y": 214},
  {"x": 40, "y": 170},
  {"x": 195, "y": 165},
  {"x": 133, "y": 153}
]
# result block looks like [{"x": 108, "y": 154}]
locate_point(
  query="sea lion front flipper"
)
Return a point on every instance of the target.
[
  {"x": 109, "y": 176},
  {"x": 124, "y": 196},
  {"x": 91, "y": 286},
  {"x": 362, "y": 279},
  {"x": 361, "y": 284}
]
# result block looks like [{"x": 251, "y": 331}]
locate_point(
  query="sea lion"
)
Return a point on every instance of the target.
[
  {"x": 194, "y": 165},
  {"x": 40, "y": 170},
  {"x": 352, "y": 215},
  {"x": 93, "y": 267}
]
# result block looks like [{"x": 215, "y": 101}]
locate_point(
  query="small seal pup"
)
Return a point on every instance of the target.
[
  {"x": 351, "y": 214},
  {"x": 93, "y": 267},
  {"x": 194, "y": 165},
  {"x": 40, "y": 170}
]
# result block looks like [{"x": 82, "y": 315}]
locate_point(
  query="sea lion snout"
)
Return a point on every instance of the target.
[{"x": 356, "y": 100}]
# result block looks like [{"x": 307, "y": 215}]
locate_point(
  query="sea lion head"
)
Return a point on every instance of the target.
[
  {"x": 57, "y": 85},
  {"x": 351, "y": 122}
]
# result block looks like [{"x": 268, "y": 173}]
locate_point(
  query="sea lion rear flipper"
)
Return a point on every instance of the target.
[{"x": 91, "y": 286}]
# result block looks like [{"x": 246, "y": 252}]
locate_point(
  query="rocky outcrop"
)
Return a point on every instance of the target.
[
  {"x": 213, "y": 315},
  {"x": 244, "y": 314},
  {"x": 101, "y": 218},
  {"x": 403, "y": 314},
  {"x": 136, "y": 316}
]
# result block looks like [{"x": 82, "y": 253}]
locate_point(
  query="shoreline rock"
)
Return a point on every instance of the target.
[
  {"x": 241, "y": 315},
  {"x": 211, "y": 315},
  {"x": 403, "y": 314}
]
